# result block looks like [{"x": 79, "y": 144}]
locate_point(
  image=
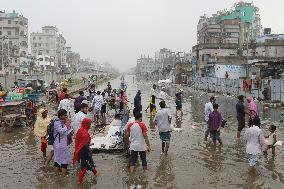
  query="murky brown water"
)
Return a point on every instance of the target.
[{"x": 191, "y": 163}]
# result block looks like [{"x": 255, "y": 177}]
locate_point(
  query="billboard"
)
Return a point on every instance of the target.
[{"x": 232, "y": 71}]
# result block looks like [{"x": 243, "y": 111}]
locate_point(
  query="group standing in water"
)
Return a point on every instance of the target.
[
  {"x": 57, "y": 134},
  {"x": 254, "y": 137}
]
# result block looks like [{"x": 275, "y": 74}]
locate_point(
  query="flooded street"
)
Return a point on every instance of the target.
[{"x": 191, "y": 163}]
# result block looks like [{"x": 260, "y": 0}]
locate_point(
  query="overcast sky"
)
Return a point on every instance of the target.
[{"x": 119, "y": 31}]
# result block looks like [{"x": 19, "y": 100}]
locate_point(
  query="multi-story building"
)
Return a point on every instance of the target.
[
  {"x": 73, "y": 60},
  {"x": 166, "y": 57},
  {"x": 61, "y": 52},
  {"x": 44, "y": 62},
  {"x": 147, "y": 65},
  {"x": 225, "y": 37},
  {"x": 14, "y": 42},
  {"x": 49, "y": 43}
]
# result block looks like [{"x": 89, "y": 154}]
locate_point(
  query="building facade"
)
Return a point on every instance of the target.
[
  {"x": 14, "y": 42},
  {"x": 49, "y": 43},
  {"x": 226, "y": 37},
  {"x": 147, "y": 65},
  {"x": 165, "y": 57}
]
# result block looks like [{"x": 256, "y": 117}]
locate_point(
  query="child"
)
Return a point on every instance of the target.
[
  {"x": 271, "y": 140},
  {"x": 82, "y": 150},
  {"x": 152, "y": 106},
  {"x": 215, "y": 121}
]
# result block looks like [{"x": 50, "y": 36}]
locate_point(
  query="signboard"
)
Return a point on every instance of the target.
[{"x": 234, "y": 71}]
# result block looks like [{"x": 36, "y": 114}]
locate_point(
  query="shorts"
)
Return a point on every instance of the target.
[
  {"x": 241, "y": 123},
  {"x": 63, "y": 166},
  {"x": 134, "y": 157},
  {"x": 179, "y": 107},
  {"x": 252, "y": 159},
  {"x": 98, "y": 112},
  {"x": 215, "y": 135},
  {"x": 121, "y": 105},
  {"x": 165, "y": 136},
  {"x": 152, "y": 107},
  {"x": 103, "y": 111}
]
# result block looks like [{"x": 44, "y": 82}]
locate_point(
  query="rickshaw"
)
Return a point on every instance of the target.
[{"x": 37, "y": 86}]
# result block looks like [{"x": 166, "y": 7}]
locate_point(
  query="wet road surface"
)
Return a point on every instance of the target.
[{"x": 191, "y": 163}]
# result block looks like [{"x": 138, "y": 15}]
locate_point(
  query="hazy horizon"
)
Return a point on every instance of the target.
[{"x": 119, "y": 31}]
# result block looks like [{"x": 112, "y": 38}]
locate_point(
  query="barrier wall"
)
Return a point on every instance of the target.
[
  {"x": 8, "y": 80},
  {"x": 274, "y": 87}
]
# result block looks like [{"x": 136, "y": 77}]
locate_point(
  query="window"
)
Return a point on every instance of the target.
[
  {"x": 35, "y": 45},
  {"x": 39, "y": 44},
  {"x": 34, "y": 38},
  {"x": 15, "y": 60},
  {"x": 40, "y": 59},
  {"x": 9, "y": 32},
  {"x": 0, "y": 32},
  {"x": 39, "y": 38},
  {"x": 10, "y": 43},
  {"x": 46, "y": 44},
  {"x": 16, "y": 22},
  {"x": 47, "y": 51},
  {"x": 9, "y": 21}
]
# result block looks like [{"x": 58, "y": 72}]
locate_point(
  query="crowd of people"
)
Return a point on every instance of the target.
[
  {"x": 255, "y": 140},
  {"x": 72, "y": 125}
]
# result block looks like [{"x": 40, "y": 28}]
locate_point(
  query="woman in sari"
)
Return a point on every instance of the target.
[
  {"x": 82, "y": 150},
  {"x": 40, "y": 129}
]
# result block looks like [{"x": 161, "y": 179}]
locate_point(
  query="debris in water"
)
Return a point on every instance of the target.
[{"x": 278, "y": 143}]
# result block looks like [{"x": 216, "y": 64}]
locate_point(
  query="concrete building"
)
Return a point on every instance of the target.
[
  {"x": 61, "y": 52},
  {"x": 225, "y": 38},
  {"x": 165, "y": 57},
  {"x": 45, "y": 62},
  {"x": 239, "y": 26},
  {"x": 14, "y": 42},
  {"x": 147, "y": 65},
  {"x": 49, "y": 43},
  {"x": 73, "y": 61}
]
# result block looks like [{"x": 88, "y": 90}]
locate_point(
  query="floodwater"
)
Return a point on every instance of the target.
[{"x": 191, "y": 163}]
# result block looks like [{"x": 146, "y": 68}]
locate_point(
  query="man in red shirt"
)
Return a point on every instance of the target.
[{"x": 136, "y": 136}]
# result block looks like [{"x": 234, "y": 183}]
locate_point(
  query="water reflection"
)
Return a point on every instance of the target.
[
  {"x": 213, "y": 157},
  {"x": 164, "y": 175},
  {"x": 178, "y": 122},
  {"x": 138, "y": 180}
]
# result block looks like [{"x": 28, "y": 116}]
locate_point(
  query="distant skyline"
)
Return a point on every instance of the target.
[{"x": 119, "y": 31}]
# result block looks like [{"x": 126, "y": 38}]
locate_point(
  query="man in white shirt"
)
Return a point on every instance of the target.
[
  {"x": 162, "y": 95},
  {"x": 97, "y": 105},
  {"x": 67, "y": 105},
  {"x": 78, "y": 118},
  {"x": 136, "y": 136},
  {"x": 208, "y": 109},
  {"x": 163, "y": 120}
]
